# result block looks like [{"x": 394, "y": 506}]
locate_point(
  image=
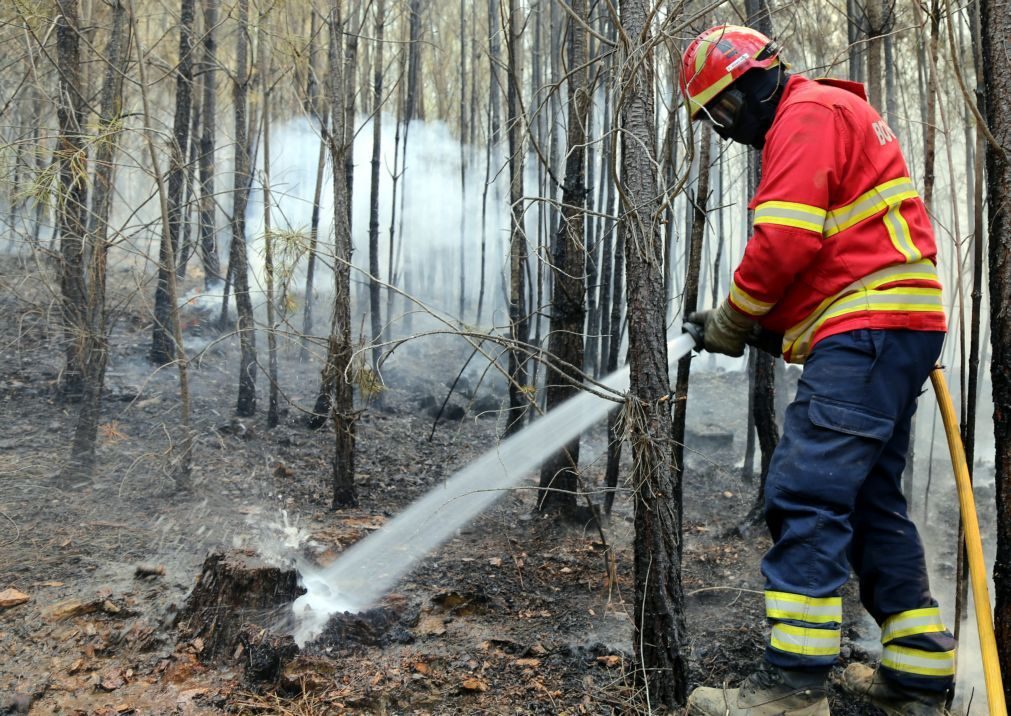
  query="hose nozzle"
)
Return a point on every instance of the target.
[{"x": 695, "y": 331}]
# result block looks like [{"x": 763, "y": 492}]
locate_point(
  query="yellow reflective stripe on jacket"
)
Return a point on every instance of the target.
[
  {"x": 912, "y": 622},
  {"x": 804, "y": 641},
  {"x": 744, "y": 300},
  {"x": 918, "y": 661},
  {"x": 891, "y": 193},
  {"x": 797, "y": 607},
  {"x": 898, "y": 232},
  {"x": 900, "y": 298},
  {"x": 862, "y": 295},
  {"x": 788, "y": 213}
]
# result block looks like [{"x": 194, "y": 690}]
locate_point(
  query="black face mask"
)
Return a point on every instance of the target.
[{"x": 744, "y": 112}]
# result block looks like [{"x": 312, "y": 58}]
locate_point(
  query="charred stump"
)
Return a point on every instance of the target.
[{"x": 236, "y": 600}]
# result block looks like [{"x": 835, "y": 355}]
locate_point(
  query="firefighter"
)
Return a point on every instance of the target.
[{"x": 842, "y": 265}]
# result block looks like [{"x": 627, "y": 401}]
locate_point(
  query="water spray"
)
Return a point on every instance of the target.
[{"x": 373, "y": 565}]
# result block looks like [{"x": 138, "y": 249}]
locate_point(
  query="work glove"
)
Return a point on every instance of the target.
[
  {"x": 724, "y": 329},
  {"x": 765, "y": 340}
]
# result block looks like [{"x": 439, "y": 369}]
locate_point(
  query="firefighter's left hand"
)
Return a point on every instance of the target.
[{"x": 724, "y": 330}]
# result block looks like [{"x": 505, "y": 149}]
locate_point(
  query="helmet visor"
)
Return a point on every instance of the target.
[{"x": 725, "y": 111}]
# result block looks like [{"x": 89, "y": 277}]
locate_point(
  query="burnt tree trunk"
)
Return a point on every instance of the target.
[
  {"x": 559, "y": 476},
  {"x": 263, "y": 50},
  {"x": 208, "y": 240},
  {"x": 519, "y": 325},
  {"x": 659, "y": 597},
  {"x": 463, "y": 156},
  {"x": 189, "y": 186},
  {"x": 494, "y": 51},
  {"x": 377, "y": 105},
  {"x": 233, "y": 592},
  {"x": 238, "y": 265},
  {"x": 996, "y": 24},
  {"x": 691, "y": 296},
  {"x": 763, "y": 390},
  {"x": 162, "y": 349},
  {"x": 96, "y": 332},
  {"x": 321, "y": 113},
  {"x": 336, "y": 393},
  {"x": 73, "y": 192},
  {"x": 614, "y": 233}
]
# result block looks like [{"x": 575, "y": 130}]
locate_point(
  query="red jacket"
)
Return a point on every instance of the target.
[{"x": 841, "y": 238}]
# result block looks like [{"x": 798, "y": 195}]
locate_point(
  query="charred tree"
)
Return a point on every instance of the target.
[
  {"x": 463, "y": 157},
  {"x": 336, "y": 394},
  {"x": 611, "y": 345},
  {"x": 855, "y": 33},
  {"x": 353, "y": 32},
  {"x": 162, "y": 350},
  {"x": 263, "y": 50},
  {"x": 321, "y": 114},
  {"x": 519, "y": 325},
  {"x": 559, "y": 480},
  {"x": 183, "y": 454},
  {"x": 996, "y": 27},
  {"x": 762, "y": 401},
  {"x": 208, "y": 124},
  {"x": 377, "y": 106},
  {"x": 691, "y": 295},
  {"x": 879, "y": 21},
  {"x": 95, "y": 337},
  {"x": 238, "y": 265},
  {"x": 189, "y": 184},
  {"x": 659, "y": 597},
  {"x": 393, "y": 253},
  {"x": 234, "y": 590},
  {"x": 73, "y": 196},
  {"x": 494, "y": 113}
]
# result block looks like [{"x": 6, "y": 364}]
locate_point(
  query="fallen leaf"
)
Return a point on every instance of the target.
[
  {"x": 70, "y": 608},
  {"x": 529, "y": 663},
  {"x": 474, "y": 685},
  {"x": 112, "y": 679},
  {"x": 189, "y": 695},
  {"x": 110, "y": 608},
  {"x": 76, "y": 666},
  {"x": 495, "y": 561},
  {"x": 48, "y": 584},
  {"x": 610, "y": 661},
  {"x": 421, "y": 667},
  {"x": 11, "y": 598},
  {"x": 431, "y": 625}
]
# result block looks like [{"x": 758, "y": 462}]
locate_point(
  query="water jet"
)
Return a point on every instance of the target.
[{"x": 373, "y": 565}]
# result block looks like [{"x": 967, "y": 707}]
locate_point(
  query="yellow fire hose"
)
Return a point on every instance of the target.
[{"x": 973, "y": 547}]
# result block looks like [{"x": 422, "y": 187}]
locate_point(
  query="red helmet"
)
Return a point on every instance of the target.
[{"x": 719, "y": 56}]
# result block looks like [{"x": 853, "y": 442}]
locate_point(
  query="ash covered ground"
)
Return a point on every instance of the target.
[{"x": 516, "y": 614}]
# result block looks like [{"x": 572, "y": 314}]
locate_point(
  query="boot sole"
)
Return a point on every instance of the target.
[{"x": 695, "y": 711}]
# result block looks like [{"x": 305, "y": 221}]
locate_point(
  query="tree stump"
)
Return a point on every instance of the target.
[{"x": 237, "y": 599}]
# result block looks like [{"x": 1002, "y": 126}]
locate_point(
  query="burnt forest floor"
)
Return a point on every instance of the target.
[{"x": 516, "y": 614}]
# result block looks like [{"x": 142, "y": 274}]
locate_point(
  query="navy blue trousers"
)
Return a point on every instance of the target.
[{"x": 834, "y": 501}]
